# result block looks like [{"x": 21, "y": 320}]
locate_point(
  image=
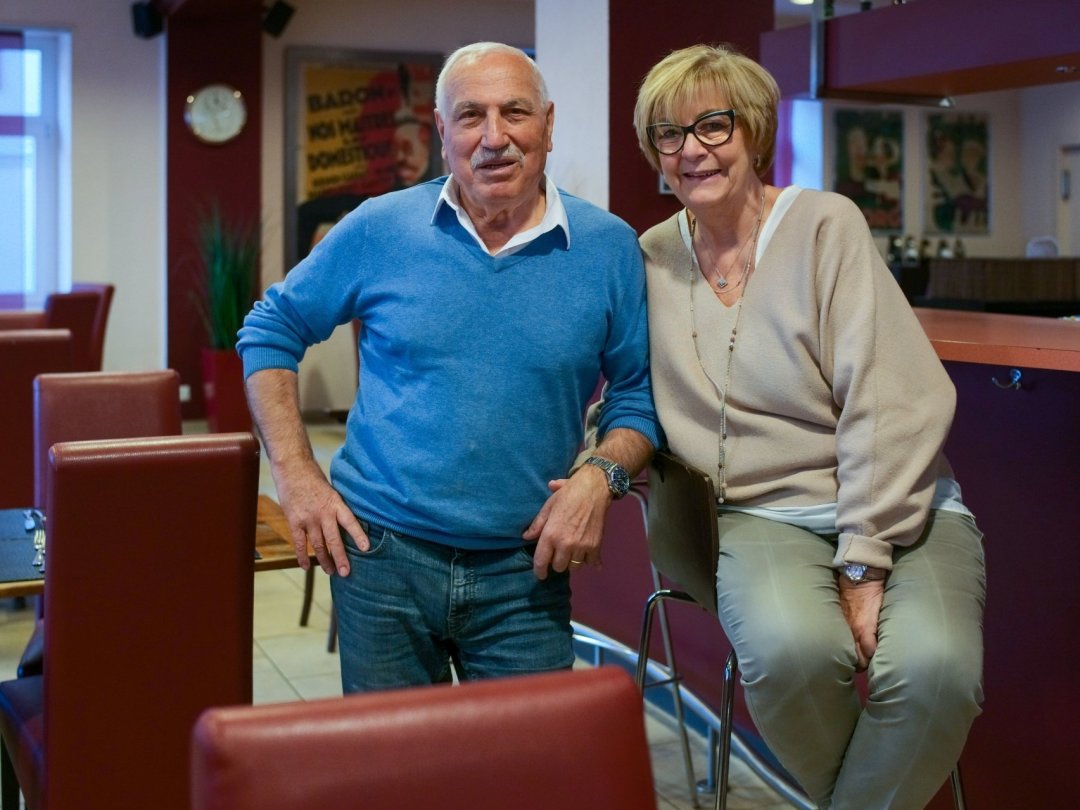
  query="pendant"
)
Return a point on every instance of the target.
[{"x": 721, "y": 282}]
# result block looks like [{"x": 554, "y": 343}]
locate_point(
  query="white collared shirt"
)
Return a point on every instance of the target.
[{"x": 554, "y": 217}]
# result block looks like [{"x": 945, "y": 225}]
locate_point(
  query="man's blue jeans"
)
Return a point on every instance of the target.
[{"x": 409, "y": 606}]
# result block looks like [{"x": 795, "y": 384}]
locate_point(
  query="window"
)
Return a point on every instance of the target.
[{"x": 35, "y": 105}]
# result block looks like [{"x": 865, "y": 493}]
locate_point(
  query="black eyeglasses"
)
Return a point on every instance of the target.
[{"x": 711, "y": 129}]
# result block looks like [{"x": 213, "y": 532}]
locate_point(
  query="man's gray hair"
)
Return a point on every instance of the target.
[{"x": 476, "y": 51}]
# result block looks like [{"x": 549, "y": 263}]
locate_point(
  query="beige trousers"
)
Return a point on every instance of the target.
[{"x": 779, "y": 607}]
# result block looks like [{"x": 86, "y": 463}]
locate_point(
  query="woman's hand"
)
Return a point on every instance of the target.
[{"x": 861, "y": 604}]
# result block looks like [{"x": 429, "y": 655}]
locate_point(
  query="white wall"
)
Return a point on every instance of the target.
[
  {"x": 572, "y": 51},
  {"x": 1049, "y": 119},
  {"x": 118, "y": 160}
]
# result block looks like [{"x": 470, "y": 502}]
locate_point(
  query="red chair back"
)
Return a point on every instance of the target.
[
  {"x": 24, "y": 355},
  {"x": 101, "y": 405},
  {"x": 150, "y": 564},
  {"x": 101, "y": 321},
  {"x": 572, "y": 740},
  {"x": 21, "y": 319},
  {"x": 84, "y": 313}
]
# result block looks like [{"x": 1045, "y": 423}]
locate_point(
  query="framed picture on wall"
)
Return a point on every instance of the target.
[
  {"x": 869, "y": 164},
  {"x": 957, "y": 173},
  {"x": 358, "y": 124}
]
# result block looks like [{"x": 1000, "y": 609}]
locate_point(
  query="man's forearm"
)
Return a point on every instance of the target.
[
  {"x": 627, "y": 448},
  {"x": 274, "y": 399}
]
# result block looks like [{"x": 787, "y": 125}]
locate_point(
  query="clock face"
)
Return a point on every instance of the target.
[{"x": 215, "y": 113}]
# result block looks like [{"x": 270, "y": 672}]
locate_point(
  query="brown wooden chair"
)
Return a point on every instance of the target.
[
  {"x": 23, "y": 355},
  {"x": 572, "y": 740},
  {"x": 150, "y": 563},
  {"x": 91, "y": 405},
  {"x": 85, "y": 312}
]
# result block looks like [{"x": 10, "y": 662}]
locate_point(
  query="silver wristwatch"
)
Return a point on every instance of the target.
[
  {"x": 857, "y": 572},
  {"x": 618, "y": 480}
]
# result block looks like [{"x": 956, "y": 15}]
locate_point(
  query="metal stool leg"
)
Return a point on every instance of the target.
[
  {"x": 676, "y": 695},
  {"x": 654, "y": 603},
  {"x": 957, "y": 788},
  {"x": 727, "y": 710}
]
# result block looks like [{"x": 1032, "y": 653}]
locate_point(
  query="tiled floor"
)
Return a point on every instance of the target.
[{"x": 292, "y": 663}]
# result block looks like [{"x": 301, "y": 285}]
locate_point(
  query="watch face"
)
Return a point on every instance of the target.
[
  {"x": 216, "y": 113},
  {"x": 620, "y": 481},
  {"x": 855, "y": 572}
]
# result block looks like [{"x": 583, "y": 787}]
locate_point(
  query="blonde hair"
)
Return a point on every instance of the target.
[{"x": 683, "y": 76}]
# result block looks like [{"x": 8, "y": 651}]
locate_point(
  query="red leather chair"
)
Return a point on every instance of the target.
[
  {"x": 23, "y": 355},
  {"x": 83, "y": 406},
  {"x": 101, "y": 322},
  {"x": 85, "y": 312},
  {"x": 21, "y": 319},
  {"x": 95, "y": 405},
  {"x": 150, "y": 562},
  {"x": 572, "y": 740}
]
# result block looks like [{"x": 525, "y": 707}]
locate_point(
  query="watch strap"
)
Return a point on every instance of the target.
[
  {"x": 618, "y": 479},
  {"x": 857, "y": 573}
]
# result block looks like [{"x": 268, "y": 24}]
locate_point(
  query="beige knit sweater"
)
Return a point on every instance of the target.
[{"x": 836, "y": 395}]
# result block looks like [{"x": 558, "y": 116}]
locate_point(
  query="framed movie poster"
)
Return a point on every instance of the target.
[
  {"x": 870, "y": 164},
  {"x": 957, "y": 179},
  {"x": 358, "y": 124}
]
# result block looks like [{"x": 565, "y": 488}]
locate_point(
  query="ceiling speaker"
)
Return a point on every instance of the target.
[
  {"x": 277, "y": 17},
  {"x": 146, "y": 20}
]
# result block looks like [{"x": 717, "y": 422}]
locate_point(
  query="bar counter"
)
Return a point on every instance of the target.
[
  {"x": 1012, "y": 340},
  {"x": 1015, "y": 449}
]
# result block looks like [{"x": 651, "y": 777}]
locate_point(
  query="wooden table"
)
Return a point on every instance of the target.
[{"x": 271, "y": 541}]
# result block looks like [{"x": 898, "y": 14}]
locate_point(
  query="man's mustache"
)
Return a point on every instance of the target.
[{"x": 484, "y": 155}]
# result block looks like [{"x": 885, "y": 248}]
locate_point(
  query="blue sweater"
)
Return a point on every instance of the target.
[{"x": 475, "y": 371}]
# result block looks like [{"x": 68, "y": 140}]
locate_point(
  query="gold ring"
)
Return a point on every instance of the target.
[{"x": 577, "y": 562}]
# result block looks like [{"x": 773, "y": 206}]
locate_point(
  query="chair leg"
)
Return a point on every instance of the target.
[
  {"x": 654, "y": 603},
  {"x": 309, "y": 590},
  {"x": 676, "y": 697},
  {"x": 9, "y": 783},
  {"x": 957, "y": 788},
  {"x": 331, "y": 634},
  {"x": 727, "y": 710}
]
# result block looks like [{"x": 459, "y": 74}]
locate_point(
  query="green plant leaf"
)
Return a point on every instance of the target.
[{"x": 229, "y": 254}]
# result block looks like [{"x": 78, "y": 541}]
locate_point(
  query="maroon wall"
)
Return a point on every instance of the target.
[
  {"x": 639, "y": 38},
  {"x": 202, "y": 51}
]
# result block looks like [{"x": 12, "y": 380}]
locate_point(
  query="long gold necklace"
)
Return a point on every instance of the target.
[{"x": 722, "y": 392}]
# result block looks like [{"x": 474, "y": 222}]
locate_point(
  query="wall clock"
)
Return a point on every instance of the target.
[{"x": 215, "y": 113}]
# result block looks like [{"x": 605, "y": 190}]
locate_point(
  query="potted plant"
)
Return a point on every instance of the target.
[{"x": 229, "y": 258}]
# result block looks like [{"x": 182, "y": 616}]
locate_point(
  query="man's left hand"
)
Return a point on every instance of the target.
[
  {"x": 570, "y": 526},
  {"x": 861, "y": 604}
]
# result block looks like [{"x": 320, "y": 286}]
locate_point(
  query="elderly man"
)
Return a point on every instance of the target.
[{"x": 491, "y": 303}]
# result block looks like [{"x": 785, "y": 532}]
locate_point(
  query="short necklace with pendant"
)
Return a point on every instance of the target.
[
  {"x": 722, "y": 279},
  {"x": 722, "y": 391}
]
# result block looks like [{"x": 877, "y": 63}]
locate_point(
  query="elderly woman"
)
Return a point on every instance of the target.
[{"x": 787, "y": 364}]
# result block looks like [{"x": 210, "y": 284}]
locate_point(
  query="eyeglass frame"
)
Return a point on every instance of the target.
[{"x": 690, "y": 130}]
